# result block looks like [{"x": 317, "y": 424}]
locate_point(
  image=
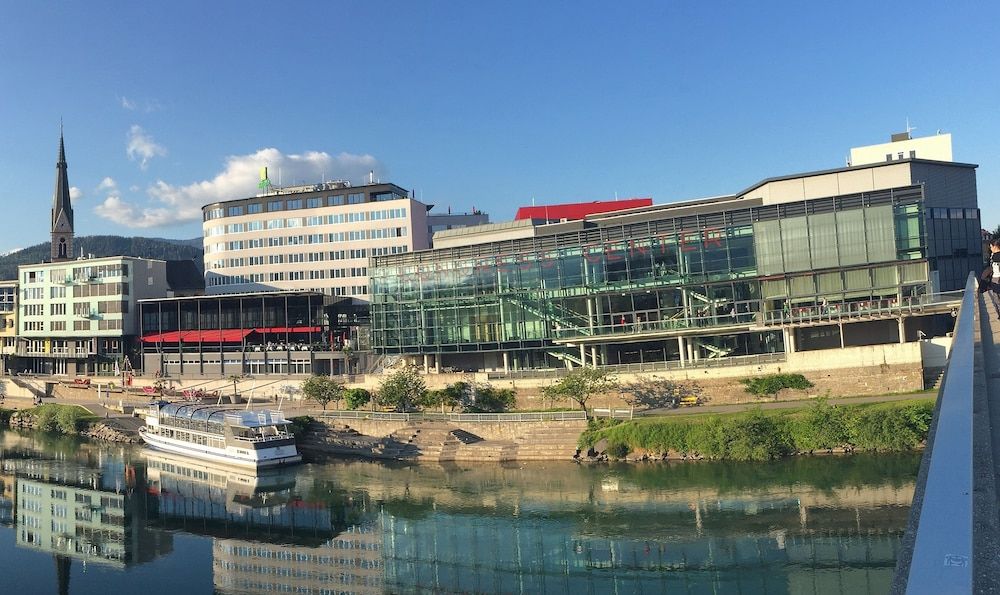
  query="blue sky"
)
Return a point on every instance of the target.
[{"x": 471, "y": 104}]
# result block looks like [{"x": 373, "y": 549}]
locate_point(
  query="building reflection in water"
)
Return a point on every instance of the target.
[
  {"x": 83, "y": 507},
  {"x": 822, "y": 526},
  {"x": 271, "y": 534}
]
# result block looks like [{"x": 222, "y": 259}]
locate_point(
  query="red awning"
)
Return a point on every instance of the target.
[
  {"x": 212, "y": 336},
  {"x": 290, "y": 329}
]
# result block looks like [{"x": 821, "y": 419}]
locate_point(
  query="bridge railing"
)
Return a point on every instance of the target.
[{"x": 940, "y": 560}]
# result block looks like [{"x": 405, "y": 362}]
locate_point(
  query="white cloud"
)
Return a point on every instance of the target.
[
  {"x": 107, "y": 183},
  {"x": 170, "y": 204},
  {"x": 141, "y": 146},
  {"x": 75, "y": 193},
  {"x": 128, "y": 104}
]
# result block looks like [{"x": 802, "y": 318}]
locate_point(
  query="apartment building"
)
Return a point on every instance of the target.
[{"x": 79, "y": 316}]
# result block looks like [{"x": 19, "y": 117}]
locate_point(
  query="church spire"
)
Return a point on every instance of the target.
[{"x": 62, "y": 209}]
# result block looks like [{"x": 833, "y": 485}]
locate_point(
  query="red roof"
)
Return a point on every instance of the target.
[
  {"x": 213, "y": 336},
  {"x": 224, "y": 335},
  {"x": 579, "y": 210}
]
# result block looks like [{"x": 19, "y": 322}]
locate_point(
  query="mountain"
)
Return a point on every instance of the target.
[
  {"x": 107, "y": 246},
  {"x": 196, "y": 242}
]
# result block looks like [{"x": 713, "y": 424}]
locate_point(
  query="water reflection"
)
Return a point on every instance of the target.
[{"x": 806, "y": 526}]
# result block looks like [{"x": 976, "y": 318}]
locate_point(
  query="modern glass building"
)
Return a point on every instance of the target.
[{"x": 832, "y": 258}]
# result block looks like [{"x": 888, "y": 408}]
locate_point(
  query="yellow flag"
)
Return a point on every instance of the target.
[{"x": 263, "y": 173}]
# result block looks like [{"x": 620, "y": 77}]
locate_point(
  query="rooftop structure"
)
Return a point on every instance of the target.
[
  {"x": 903, "y": 146},
  {"x": 577, "y": 210}
]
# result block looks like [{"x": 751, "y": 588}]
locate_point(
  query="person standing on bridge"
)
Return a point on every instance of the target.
[{"x": 989, "y": 279}]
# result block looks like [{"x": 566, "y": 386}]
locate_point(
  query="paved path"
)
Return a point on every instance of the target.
[{"x": 737, "y": 407}]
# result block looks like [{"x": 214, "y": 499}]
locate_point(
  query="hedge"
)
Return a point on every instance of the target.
[{"x": 759, "y": 436}]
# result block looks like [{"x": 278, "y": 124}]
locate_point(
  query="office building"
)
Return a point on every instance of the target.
[{"x": 780, "y": 266}]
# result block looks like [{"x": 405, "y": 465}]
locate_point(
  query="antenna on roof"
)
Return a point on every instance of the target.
[{"x": 909, "y": 128}]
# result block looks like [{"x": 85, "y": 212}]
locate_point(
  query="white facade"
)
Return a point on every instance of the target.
[
  {"x": 318, "y": 240},
  {"x": 937, "y": 148}
]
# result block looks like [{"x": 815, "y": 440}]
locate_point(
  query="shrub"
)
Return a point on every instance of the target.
[
  {"x": 357, "y": 397},
  {"x": 65, "y": 419},
  {"x": 884, "y": 429},
  {"x": 770, "y": 384},
  {"x": 758, "y": 437},
  {"x": 823, "y": 427}
]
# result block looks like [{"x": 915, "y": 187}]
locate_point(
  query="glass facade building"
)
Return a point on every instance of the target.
[{"x": 702, "y": 279}]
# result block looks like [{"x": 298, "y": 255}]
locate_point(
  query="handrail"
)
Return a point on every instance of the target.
[
  {"x": 941, "y": 560},
  {"x": 457, "y": 417}
]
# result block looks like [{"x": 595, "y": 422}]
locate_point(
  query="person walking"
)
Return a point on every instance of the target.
[{"x": 989, "y": 279}]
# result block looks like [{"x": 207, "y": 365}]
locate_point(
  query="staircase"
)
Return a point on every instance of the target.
[
  {"x": 932, "y": 378},
  {"x": 29, "y": 386}
]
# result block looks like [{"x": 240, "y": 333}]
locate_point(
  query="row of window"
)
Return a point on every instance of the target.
[
  {"x": 312, "y": 220},
  {"x": 313, "y": 275},
  {"x": 79, "y": 308},
  {"x": 293, "y": 258},
  {"x": 291, "y": 204},
  {"x": 78, "y": 325},
  {"x": 82, "y": 273}
]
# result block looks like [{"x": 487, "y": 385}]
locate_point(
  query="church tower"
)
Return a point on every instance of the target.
[{"x": 62, "y": 211}]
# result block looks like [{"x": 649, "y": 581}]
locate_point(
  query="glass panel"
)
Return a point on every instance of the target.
[
  {"x": 823, "y": 240},
  {"x": 767, "y": 247},
  {"x": 851, "y": 237},
  {"x": 773, "y": 289},
  {"x": 801, "y": 286},
  {"x": 913, "y": 272},
  {"x": 880, "y": 232},
  {"x": 829, "y": 283},
  {"x": 885, "y": 276},
  {"x": 795, "y": 244}
]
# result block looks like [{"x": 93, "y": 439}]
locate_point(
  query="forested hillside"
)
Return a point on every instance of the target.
[{"x": 106, "y": 246}]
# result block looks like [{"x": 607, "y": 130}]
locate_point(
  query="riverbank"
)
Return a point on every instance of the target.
[
  {"x": 68, "y": 420},
  {"x": 759, "y": 435}
]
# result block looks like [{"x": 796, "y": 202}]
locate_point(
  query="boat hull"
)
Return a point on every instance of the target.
[{"x": 215, "y": 455}]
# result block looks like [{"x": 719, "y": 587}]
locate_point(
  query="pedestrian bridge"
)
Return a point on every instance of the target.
[{"x": 952, "y": 541}]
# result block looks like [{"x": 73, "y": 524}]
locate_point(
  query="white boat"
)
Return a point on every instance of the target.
[{"x": 249, "y": 439}]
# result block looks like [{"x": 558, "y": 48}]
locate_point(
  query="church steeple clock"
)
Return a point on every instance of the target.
[{"x": 62, "y": 211}]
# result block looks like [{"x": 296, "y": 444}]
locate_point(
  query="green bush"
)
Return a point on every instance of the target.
[
  {"x": 5, "y": 416},
  {"x": 357, "y": 397},
  {"x": 760, "y": 436},
  {"x": 770, "y": 384},
  {"x": 63, "y": 419},
  {"x": 823, "y": 427}
]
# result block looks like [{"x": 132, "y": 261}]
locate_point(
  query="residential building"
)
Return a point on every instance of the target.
[
  {"x": 8, "y": 322},
  {"x": 78, "y": 316},
  {"x": 833, "y": 258}
]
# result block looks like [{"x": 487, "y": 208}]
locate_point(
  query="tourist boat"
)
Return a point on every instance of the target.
[{"x": 249, "y": 439}]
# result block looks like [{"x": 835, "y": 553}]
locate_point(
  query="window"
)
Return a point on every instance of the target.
[
  {"x": 336, "y": 200},
  {"x": 234, "y": 211},
  {"x": 255, "y": 208},
  {"x": 294, "y": 204},
  {"x": 313, "y": 203},
  {"x": 57, "y": 309},
  {"x": 355, "y": 199},
  {"x": 275, "y": 205}
]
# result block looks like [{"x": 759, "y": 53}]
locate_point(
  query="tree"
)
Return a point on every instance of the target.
[
  {"x": 770, "y": 384},
  {"x": 489, "y": 399},
  {"x": 656, "y": 392},
  {"x": 356, "y": 397},
  {"x": 580, "y": 385},
  {"x": 450, "y": 396},
  {"x": 402, "y": 389},
  {"x": 323, "y": 390},
  {"x": 235, "y": 379}
]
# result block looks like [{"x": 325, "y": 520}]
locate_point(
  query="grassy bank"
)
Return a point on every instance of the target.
[
  {"x": 61, "y": 419},
  {"x": 759, "y": 435}
]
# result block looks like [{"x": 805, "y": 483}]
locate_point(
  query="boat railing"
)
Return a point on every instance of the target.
[{"x": 256, "y": 439}]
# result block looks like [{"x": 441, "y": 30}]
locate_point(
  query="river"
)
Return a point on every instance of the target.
[{"x": 86, "y": 518}]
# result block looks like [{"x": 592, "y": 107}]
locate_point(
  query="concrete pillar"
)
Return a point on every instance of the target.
[
  {"x": 788, "y": 336},
  {"x": 902, "y": 330},
  {"x": 437, "y": 363},
  {"x": 506, "y": 362},
  {"x": 593, "y": 356},
  {"x": 583, "y": 355},
  {"x": 695, "y": 352},
  {"x": 840, "y": 327},
  {"x": 690, "y": 349},
  {"x": 681, "y": 350},
  {"x": 427, "y": 363}
]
